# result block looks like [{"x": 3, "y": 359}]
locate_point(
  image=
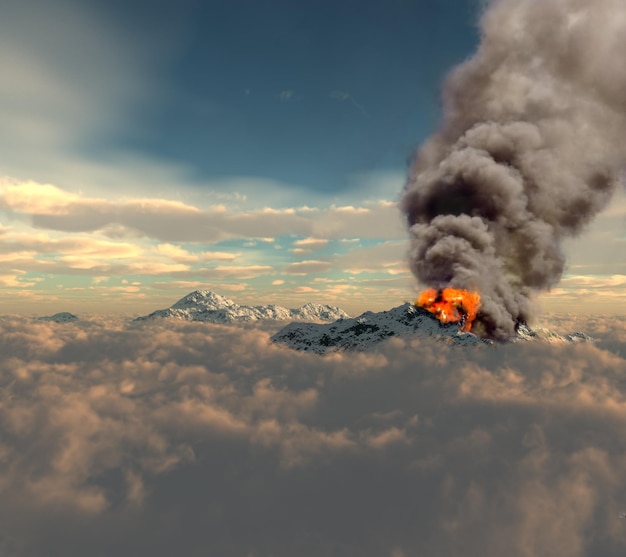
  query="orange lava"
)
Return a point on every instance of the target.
[{"x": 451, "y": 305}]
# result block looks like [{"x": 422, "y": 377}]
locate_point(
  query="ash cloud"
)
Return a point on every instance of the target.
[
  {"x": 531, "y": 147},
  {"x": 170, "y": 439}
]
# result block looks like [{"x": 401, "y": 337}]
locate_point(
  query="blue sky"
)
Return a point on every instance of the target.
[
  {"x": 311, "y": 95},
  {"x": 252, "y": 148}
]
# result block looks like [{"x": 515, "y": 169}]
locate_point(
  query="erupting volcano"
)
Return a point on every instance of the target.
[
  {"x": 531, "y": 146},
  {"x": 451, "y": 305}
]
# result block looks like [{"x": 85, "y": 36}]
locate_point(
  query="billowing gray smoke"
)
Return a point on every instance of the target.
[{"x": 531, "y": 147}]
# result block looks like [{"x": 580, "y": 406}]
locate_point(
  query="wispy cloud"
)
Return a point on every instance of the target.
[{"x": 343, "y": 96}]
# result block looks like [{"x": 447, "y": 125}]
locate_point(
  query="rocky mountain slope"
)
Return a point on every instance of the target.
[{"x": 407, "y": 321}]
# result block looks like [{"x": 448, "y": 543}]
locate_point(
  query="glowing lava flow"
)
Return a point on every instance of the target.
[{"x": 451, "y": 305}]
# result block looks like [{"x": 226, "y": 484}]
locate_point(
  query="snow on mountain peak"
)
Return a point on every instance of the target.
[
  {"x": 203, "y": 299},
  {"x": 318, "y": 312},
  {"x": 204, "y": 305}
]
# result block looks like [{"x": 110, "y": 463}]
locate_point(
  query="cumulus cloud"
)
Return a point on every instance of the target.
[{"x": 169, "y": 438}]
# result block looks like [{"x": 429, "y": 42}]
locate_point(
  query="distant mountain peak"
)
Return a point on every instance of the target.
[
  {"x": 61, "y": 317},
  {"x": 208, "y": 306},
  {"x": 524, "y": 332},
  {"x": 203, "y": 298}
]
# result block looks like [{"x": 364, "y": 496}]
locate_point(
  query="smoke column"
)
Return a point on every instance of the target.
[{"x": 531, "y": 147}]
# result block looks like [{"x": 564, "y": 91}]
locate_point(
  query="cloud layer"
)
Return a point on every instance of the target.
[{"x": 193, "y": 439}]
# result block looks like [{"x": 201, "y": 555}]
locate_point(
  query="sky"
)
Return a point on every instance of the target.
[{"x": 257, "y": 149}]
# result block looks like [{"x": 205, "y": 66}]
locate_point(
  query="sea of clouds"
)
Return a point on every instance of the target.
[{"x": 160, "y": 439}]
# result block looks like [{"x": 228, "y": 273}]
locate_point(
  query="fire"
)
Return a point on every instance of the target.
[{"x": 451, "y": 305}]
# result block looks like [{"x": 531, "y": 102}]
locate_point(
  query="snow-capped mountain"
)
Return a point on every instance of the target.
[
  {"x": 407, "y": 321},
  {"x": 524, "y": 333},
  {"x": 364, "y": 332},
  {"x": 204, "y": 299},
  {"x": 204, "y": 305},
  {"x": 62, "y": 317}
]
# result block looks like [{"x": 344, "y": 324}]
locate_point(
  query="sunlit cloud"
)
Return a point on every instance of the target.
[{"x": 307, "y": 245}]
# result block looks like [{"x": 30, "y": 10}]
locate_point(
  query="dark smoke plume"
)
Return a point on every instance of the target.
[{"x": 531, "y": 148}]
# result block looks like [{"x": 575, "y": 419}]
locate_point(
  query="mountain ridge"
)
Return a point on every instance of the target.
[{"x": 208, "y": 306}]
